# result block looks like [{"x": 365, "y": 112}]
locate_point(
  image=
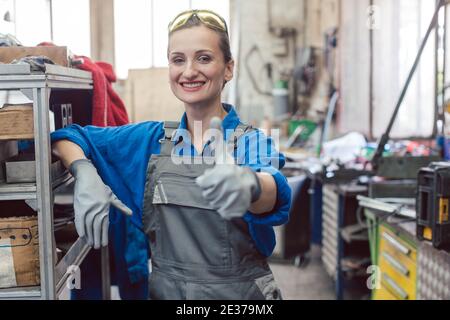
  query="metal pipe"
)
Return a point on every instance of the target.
[
  {"x": 444, "y": 70},
  {"x": 269, "y": 16},
  {"x": 371, "y": 133},
  {"x": 436, "y": 76},
  {"x": 254, "y": 49},
  {"x": 50, "y": 3}
]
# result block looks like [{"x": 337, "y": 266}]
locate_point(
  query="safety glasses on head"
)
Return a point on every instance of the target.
[{"x": 207, "y": 17}]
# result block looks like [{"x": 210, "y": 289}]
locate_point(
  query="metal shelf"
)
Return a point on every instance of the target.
[
  {"x": 18, "y": 191},
  {"x": 19, "y": 293},
  {"x": 73, "y": 257},
  {"x": 386, "y": 208},
  {"x": 17, "y": 77},
  {"x": 27, "y": 191},
  {"x": 37, "y": 86}
]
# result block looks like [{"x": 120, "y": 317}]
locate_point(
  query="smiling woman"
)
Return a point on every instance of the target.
[
  {"x": 197, "y": 67},
  {"x": 209, "y": 224}
]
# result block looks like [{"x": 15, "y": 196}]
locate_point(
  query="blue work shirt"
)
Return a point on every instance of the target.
[{"x": 121, "y": 155}]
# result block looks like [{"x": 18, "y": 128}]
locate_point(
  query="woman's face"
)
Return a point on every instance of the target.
[{"x": 197, "y": 69}]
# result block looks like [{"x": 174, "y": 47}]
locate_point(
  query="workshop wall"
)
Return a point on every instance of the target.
[
  {"x": 254, "y": 22},
  {"x": 147, "y": 95},
  {"x": 322, "y": 17},
  {"x": 102, "y": 30},
  {"x": 311, "y": 19}
]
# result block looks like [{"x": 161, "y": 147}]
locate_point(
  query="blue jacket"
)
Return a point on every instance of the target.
[{"x": 121, "y": 155}]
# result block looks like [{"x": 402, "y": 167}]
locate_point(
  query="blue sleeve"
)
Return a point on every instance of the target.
[
  {"x": 120, "y": 155},
  {"x": 258, "y": 151},
  {"x": 89, "y": 138}
]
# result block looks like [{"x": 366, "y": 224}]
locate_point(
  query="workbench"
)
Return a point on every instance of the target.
[{"x": 406, "y": 268}]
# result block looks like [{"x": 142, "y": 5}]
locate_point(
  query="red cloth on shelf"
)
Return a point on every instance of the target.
[{"x": 108, "y": 108}]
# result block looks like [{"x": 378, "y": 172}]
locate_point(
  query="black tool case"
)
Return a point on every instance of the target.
[{"x": 432, "y": 205}]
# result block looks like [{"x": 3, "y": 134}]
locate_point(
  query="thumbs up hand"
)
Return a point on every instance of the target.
[{"x": 229, "y": 188}]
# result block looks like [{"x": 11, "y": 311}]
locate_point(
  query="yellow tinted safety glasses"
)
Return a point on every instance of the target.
[{"x": 209, "y": 18}]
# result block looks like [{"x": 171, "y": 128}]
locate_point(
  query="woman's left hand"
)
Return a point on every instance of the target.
[{"x": 230, "y": 189}]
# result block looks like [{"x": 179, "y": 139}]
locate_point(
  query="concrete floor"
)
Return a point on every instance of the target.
[{"x": 309, "y": 282}]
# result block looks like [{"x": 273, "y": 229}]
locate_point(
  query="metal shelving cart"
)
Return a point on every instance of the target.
[{"x": 39, "y": 87}]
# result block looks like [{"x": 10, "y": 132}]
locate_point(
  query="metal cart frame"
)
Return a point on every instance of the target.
[{"x": 38, "y": 87}]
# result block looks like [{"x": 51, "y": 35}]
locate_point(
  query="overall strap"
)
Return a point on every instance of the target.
[
  {"x": 240, "y": 130},
  {"x": 169, "y": 127}
]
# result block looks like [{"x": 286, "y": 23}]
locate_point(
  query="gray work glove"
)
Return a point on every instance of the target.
[
  {"x": 92, "y": 200},
  {"x": 230, "y": 189}
]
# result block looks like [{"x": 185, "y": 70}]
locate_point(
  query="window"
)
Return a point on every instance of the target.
[
  {"x": 32, "y": 19},
  {"x": 71, "y": 25},
  {"x": 141, "y": 29},
  {"x": 7, "y": 24},
  {"x": 132, "y": 26},
  {"x": 33, "y": 22},
  {"x": 401, "y": 27}
]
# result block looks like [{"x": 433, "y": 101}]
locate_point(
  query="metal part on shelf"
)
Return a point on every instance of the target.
[
  {"x": 27, "y": 191},
  {"x": 20, "y": 293},
  {"x": 354, "y": 232},
  {"x": 385, "y": 208},
  {"x": 17, "y": 191},
  {"x": 73, "y": 257},
  {"x": 32, "y": 203},
  {"x": 22, "y": 168},
  {"x": 15, "y": 69}
]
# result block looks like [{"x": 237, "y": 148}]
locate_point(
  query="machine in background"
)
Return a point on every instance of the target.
[{"x": 432, "y": 204}]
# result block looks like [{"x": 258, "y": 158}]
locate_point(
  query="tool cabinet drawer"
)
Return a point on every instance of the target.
[
  {"x": 402, "y": 267},
  {"x": 395, "y": 244},
  {"x": 399, "y": 284},
  {"x": 384, "y": 294},
  {"x": 398, "y": 267}
]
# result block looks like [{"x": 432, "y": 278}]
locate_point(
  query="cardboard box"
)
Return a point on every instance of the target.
[
  {"x": 16, "y": 122},
  {"x": 59, "y": 55},
  {"x": 19, "y": 252}
]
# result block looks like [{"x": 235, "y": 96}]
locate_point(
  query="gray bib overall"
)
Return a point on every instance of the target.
[{"x": 195, "y": 254}]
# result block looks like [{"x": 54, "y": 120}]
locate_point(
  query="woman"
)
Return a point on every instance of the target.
[{"x": 209, "y": 225}]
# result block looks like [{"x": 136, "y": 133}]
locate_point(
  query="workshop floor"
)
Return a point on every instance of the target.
[{"x": 309, "y": 282}]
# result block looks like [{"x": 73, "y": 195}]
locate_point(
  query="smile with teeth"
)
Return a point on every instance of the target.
[{"x": 192, "y": 84}]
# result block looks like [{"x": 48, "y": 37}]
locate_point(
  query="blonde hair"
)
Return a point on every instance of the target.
[{"x": 224, "y": 41}]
